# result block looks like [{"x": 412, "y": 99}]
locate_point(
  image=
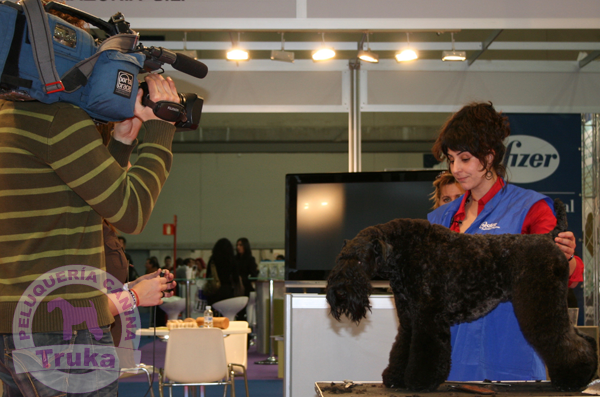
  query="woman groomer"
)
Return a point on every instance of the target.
[{"x": 471, "y": 141}]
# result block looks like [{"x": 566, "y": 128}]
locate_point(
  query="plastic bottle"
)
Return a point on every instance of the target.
[{"x": 208, "y": 317}]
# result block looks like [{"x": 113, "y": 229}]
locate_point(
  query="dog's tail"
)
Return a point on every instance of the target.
[{"x": 561, "y": 218}]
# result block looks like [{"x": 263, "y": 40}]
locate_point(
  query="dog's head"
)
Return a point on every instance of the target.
[{"x": 349, "y": 283}]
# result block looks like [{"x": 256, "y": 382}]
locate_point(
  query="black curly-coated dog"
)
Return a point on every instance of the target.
[{"x": 441, "y": 278}]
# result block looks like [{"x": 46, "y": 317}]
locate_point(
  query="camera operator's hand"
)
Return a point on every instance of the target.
[
  {"x": 160, "y": 89},
  {"x": 126, "y": 131}
]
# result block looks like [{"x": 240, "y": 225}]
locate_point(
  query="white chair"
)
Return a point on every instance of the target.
[
  {"x": 236, "y": 351},
  {"x": 139, "y": 369},
  {"x": 195, "y": 357},
  {"x": 251, "y": 310},
  {"x": 230, "y": 307},
  {"x": 251, "y": 316}
]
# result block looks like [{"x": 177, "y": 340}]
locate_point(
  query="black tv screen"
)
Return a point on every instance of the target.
[{"x": 322, "y": 210}]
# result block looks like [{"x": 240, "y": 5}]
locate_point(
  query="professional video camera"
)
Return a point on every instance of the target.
[{"x": 111, "y": 53}]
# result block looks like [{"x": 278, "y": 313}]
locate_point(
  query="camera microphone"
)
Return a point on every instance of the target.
[
  {"x": 190, "y": 66},
  {"x": 156, "y": 56}
]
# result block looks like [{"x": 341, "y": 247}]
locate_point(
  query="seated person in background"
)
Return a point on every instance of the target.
[
  {"x": 447, "y": 189},
  {"x": 201, "y": 266},
  {"x": 246, "y": 264},
  {"x": 132, "y": 273},
  {"x": 280, "y": 258},
  {"x": 191, "y": 269},
  {"x": 181, "y": 270},
  {"x": 152, "y": 265},
  {"x": 168, "y": 263},
  {"x": 223, "y": 261}
]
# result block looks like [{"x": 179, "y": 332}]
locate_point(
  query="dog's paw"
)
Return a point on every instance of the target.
[{"x": 393, "y": 382}]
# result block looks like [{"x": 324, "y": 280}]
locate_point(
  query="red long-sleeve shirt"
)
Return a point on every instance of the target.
[{"x": 539, "y": 220}]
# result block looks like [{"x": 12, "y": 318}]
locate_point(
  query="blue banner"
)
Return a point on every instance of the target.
[{"x": 544, "y": 154}]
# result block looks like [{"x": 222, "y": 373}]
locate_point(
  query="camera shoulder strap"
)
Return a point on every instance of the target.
[{"x": 41, "y": 44}]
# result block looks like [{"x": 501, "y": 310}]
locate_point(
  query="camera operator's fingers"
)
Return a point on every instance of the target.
[
  {"x": 161, "y": 89},
  {"x": 172, "y": 89},
  {"x": 127, "y": 130}
]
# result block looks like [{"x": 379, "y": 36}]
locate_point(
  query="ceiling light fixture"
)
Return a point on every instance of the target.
[
  {"x": 407, "y": 54},
  {"x": 282, "y": 55},
  {"x": 323, "y": 53},
  {"x": 368, "y": 55},
  {"x": 237, "y": 53},
  {"x": 454, "y": 56}
]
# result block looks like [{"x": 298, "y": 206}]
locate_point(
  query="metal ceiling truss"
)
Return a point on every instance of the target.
[{"x": 590, "y": 214}]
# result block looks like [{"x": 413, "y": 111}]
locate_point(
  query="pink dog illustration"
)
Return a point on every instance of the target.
[{"x": 76, "y": 315}]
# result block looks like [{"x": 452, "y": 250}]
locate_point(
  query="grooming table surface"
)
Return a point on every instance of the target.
[{"x": 448, "y": 389}]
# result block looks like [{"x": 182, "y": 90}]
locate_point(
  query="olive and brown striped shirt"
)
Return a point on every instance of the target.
[{"x": 57, "y": 182}]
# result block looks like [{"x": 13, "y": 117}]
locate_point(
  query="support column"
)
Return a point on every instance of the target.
[
  {"x": 591, "y": 212},
  {"x": 354, "y": 124}
]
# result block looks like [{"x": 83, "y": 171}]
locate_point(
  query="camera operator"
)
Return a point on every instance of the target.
[{"x": 57, "y": 184}]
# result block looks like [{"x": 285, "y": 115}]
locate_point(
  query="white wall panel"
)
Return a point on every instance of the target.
[
  {"x": 189, "y": 9},
  {"x": 349, "y": 14},
  {"x": 268, "y": 91},
  {"x": 235, "y": 195},
  {"x": 444, "y": 9},
  {"x": 536, "y": 92}
]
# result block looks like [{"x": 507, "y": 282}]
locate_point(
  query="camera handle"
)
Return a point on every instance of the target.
[{"x": 165, "y": 110}]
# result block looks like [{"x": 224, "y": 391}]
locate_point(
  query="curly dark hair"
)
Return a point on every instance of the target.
[{"x": 479, "y": 129}]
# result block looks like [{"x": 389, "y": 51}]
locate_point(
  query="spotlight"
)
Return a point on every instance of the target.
[
  {"x": 406, "y": 54},
  {"x": 237, "y": 53},
  {"x": 455, "y": 56},
  {"x": 324, "y": 53},
  {"x": 368, "y": 55},
  {"x": 283, "y": 56}
]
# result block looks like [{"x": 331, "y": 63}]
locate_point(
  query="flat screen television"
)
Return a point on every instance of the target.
[{"x": 322, "y": 210}]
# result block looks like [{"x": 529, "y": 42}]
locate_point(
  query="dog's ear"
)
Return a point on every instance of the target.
[
  {"x": 382, "y": 249},
  {"x": 345, "y": 242}
]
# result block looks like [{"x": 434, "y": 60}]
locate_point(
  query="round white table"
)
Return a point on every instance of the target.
[{"x": 163, "y": 331}]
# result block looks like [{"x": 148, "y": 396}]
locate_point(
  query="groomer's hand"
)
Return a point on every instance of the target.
[
  {"x": 159, "y": 89},
  {"x": 566, "y": 242}
]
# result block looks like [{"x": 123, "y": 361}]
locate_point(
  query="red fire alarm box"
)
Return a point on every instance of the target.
[{"x": 168, "y": 229}]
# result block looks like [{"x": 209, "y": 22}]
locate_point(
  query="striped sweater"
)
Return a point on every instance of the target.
[{"x": 57, "y": 182}]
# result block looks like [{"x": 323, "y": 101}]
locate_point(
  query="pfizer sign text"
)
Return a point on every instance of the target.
[{"x": 529, "y": 159}]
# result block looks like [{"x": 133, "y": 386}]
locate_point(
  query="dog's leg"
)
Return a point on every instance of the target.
[
  {"x": 429, "y": 357},
  {"x": 393, "y": 375},
  {"x": 542, "y": 313}
]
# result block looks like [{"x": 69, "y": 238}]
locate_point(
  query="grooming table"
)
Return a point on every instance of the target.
[{"x": 449, "y": 389}]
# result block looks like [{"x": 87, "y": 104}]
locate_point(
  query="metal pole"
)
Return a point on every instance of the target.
[
  {"x": 354, "y": 161},
  {"x": 188, "y": 299},
  {"x": 272, "y": 359}
]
